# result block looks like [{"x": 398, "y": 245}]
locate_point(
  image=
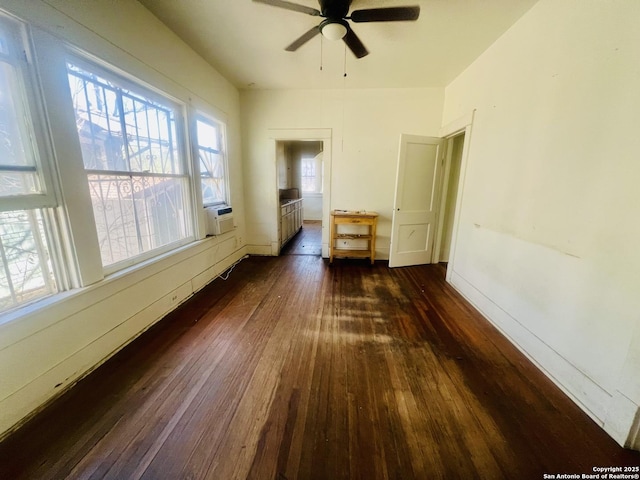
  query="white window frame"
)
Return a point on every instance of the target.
[
  {"x": 32, "y": 123},
  {"x": 33, "y": 120},
  {"x": 222, "y": 142},
  {"x": 141, "y": 88}
]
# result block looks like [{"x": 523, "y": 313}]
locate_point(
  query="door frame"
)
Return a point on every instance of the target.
[
  {"x": 323, "y": 135},
  {"x": 459, "y": 126}
]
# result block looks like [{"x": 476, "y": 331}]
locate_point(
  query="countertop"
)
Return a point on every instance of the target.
[{"x": 287, "y": 201}]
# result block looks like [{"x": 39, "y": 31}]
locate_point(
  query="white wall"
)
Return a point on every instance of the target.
[
  {"x": 548, "y": 235},
  {"x": 366, "y": 127},
  {"x": 48, "y": 349}
]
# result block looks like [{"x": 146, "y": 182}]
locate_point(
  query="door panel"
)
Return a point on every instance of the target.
[
  {"x": 416, "y": 200},
  {"x": 413, "y": 238},
  {"x": 419, "y": 173}
]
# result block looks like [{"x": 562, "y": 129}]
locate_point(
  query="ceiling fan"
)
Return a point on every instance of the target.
[{"x": 335, "y": 25}]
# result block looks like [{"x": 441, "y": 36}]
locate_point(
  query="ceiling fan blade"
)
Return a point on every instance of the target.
[
  {"x": 290, "y": 6},
  {"x": 354, "y": 44},
  {"x": 303, "y": 39},
  {"x": 389, "y": 14}
]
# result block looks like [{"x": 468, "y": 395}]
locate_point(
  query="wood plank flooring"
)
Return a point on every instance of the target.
[
  {"x": 308, "y": 241},
  {"x": 292, "y": 369}
]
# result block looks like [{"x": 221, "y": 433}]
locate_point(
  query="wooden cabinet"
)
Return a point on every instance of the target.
[
  {"x": 355, "y": 227},
  {"x": 290, "y": 219}
]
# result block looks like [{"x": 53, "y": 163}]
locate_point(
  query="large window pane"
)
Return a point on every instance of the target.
[
  {"x": 18, "y": 173},
  {"x": 213, "y": 181},
  {"x": 136, "y": 173},
  {"x": 26, "y": 272},
  {"x": 151, "y": 137},
  {"x": 17, "y": 182},
  {"x": 136, "y": 214},
  {"x": 98, "y": 120}
]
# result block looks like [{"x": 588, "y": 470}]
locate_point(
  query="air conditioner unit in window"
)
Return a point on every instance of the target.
[{"x": 219, "y": 220}]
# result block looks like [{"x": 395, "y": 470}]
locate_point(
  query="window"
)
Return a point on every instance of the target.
[
  {"x": 311, "y": 174},
  {"x": 138, "y": 180},
  {"x": 27, "y": 272},
  {"x": 129, "y": 167},
  {"x": 212, "y": 161},
  {"x": 308, "y": 174}
]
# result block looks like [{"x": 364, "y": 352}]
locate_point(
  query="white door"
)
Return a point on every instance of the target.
[{"x": 416, "y": 200}]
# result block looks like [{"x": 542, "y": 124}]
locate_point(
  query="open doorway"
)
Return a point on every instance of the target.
[
  {"x": 450, "y": 194},
  {"x": 277, "y": 137},
  {"x": 299, "y": 165},
  {"x": 457, "y": 136}
]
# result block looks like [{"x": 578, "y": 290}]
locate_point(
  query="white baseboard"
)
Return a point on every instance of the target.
[
  {"x": 634, "y": 438},
  {"x": 262, "y": 250},
  {"x": 588, "y": 395}
]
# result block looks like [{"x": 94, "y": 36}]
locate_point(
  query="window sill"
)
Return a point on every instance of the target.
[{"x": 27, "y": 320}]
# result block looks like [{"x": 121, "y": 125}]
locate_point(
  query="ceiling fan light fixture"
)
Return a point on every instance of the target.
[{"x": 333, "y": 30}]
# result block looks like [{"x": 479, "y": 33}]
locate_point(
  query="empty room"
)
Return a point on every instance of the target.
[{"x": 319, "y": 239}]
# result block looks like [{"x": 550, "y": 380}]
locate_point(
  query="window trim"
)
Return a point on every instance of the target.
[
  {"x": 34, "y": 137},
  {"x": 137, "y": 86},
  {"x": 222, "y": 141}
]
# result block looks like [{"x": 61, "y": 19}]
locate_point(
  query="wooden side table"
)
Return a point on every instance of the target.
[{"x": 347, "y": 217}]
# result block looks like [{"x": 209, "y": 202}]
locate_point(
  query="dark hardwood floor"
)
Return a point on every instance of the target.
[
  {"x": 292, "y": 369},
  {"x": 308, "y": 241}
]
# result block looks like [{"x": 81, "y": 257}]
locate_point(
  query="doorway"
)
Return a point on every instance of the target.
[
  {"x": 313, "y": 238},
  {"x": 300, "y": 181},
  {"x": 457, "y": 134},
  {"x": 450, "y": 194}
]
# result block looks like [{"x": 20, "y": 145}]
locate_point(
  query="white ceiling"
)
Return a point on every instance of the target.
[{"x": 245, "y": 42}]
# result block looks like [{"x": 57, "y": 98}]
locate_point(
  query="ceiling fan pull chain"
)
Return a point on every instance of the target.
[
  {"x": 345, "y": 60},
  {"x": 320, "y": 52}
]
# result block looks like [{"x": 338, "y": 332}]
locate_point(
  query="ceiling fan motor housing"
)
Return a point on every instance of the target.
[{"x": 335, "y": 9}]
